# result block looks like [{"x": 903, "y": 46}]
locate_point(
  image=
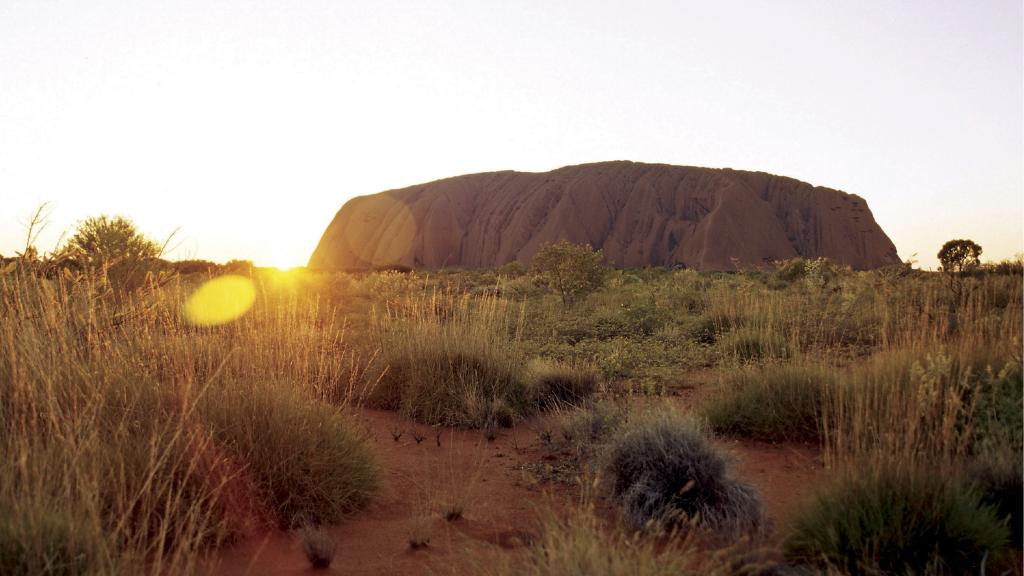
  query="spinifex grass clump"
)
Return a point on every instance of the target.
[
  {"x": 663, "y": 470},
  {"x": 453, "y": 361},
  {"x": 774, "y": 403},
  {"x": 301, "y": 455},
  {"x": 897, "y": 521}
]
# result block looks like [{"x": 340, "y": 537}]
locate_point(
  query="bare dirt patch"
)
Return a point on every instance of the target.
[{"x": 497, "y": 497}]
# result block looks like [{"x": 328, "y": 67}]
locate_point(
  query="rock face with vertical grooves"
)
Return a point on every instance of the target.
[{"x": 639, "y": 214}]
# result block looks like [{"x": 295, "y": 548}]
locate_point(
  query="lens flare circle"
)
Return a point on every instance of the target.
[{"x": 220, "y": 300}]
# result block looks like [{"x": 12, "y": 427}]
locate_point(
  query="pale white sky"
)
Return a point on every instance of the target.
[{"x": 248, "y": 123}]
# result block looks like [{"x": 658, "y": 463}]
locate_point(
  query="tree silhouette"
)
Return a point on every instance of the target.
[
  {"x": 959, "y": 256},
  {"x": 107, "y": 241}
]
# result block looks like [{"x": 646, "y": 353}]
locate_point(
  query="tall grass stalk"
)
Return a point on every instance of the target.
[{"x": 110, "y": 459}]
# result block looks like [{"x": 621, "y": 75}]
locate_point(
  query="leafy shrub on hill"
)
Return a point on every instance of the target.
[
  {"x": 109, "y": 241},
  {"x": 999, "y": 396},
  {"x": 821, "y": 273},
  {"x": 572, "y": 270},
  {"x": 513, "y": 269},
  {"x": 664, "y": 470},
  {"x": 790, "y": 270}
]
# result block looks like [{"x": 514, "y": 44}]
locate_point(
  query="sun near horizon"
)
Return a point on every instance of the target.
[
  {"x": 247, "y": 129},
  {"x": 521, "y": 288}
]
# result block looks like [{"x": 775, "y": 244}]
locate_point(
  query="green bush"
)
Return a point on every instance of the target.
[
  {"x": 790, "y": 270},
  {"x": 894, "y": 521},
  {"x": 572, "y": 270},
  {"x": 999, "y": 417},
  {"x": 454, "y": 383},
  {"x": 775, "y": 403},
  {"x": 663, "y": 470},
  {"x": 302, "y": 455},
  {"x": 461, "y": 368},
  {"x": 702, "y": 330}
]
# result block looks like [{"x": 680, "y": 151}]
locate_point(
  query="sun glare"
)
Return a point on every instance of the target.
[{"x": 220, "y": 300}]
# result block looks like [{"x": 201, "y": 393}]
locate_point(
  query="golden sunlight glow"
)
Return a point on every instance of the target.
[
  {"x": 278, "y": 279},
  {"x": 220, "y": 300}
]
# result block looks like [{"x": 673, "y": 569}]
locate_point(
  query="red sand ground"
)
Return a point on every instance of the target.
[{"x": 502, "y": 501}]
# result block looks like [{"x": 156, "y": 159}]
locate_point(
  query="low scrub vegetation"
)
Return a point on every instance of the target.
[
  {"x": 580, "y": 545},
  {"x": 998, "y": 477},
  {"x": 664, "y": 470},
  {"x": 897, "y": 521},
  {"x": 132, "y": 440},
  {"x": 458, "y": 361},
  {"x": 775, "y": 403},
  {"x": 562, "y": 384},
  {"x": 935, "y": 407},
  {"x": 453, "y": 361},
  {"x": 301, "y": 456}
]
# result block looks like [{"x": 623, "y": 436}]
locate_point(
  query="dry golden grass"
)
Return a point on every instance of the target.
[
  {"x": 123, "y": 446},
  {"x": 133, "y": 441}
]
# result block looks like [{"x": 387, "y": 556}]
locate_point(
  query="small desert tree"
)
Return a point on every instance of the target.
[
  {"x": 572, "y": 270},
  {"x": 114, "y": 247},
  {"x": 109, "y": 240},
  {"x": 958, "y": 257}
]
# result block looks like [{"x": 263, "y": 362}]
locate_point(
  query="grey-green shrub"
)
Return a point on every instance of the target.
[{"x": 663, "y": 468}]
